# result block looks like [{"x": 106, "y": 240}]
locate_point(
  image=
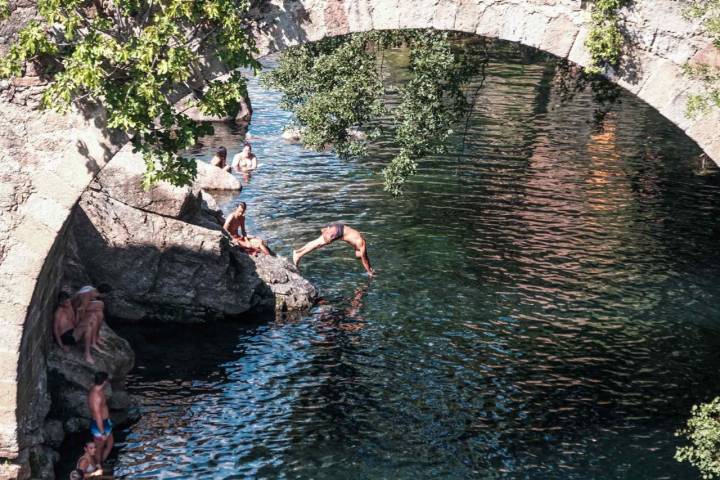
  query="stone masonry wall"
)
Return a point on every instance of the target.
[{"x": 47, "y": 160}]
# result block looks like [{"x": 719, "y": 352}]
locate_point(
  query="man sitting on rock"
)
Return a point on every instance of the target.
[
  {"x": 68, "y": 330},
  {"x": 90, "y": 315},
  {"x": 100, "y": 425},
  {"x": 250, "y": 245}
]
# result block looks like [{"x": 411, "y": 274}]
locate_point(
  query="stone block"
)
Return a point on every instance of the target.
[
  {"x": 663, "y": 84},
  {"x": 704, "y": 131},
  {"x": 358, "y": 16},
  {"x": 416, "y": 13},
  {"x": 492, "y": 22},
  {"x": 467, "y": 15},
  {"x": 559, "y": 36},
  {"x": 22, "y": 261},
  {"x": 534, "y": 27},
  {"x": 46, "y": 212},
  {"x": 335, "y": 18},
  {"x": 578, "y": 52},
  {"x": 385, "y": 14},
  {"x": 445, "y": 15}
]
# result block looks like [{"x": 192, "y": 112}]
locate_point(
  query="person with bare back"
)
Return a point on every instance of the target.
[
  {"x": 337, "y": 231},
  {"x": 220, "y": 159},
  {"x": 68, "y": 330},
  {"x": 90, "y": 313},
  {"x": 250, "y": 245},
  {"x": 100, "y": 425}
]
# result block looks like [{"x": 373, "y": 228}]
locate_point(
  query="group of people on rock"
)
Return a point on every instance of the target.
[
  {"x": 78, "y": 319},
  {"x": 246, "y": 161},
  {"x": 77, "y": 322}
]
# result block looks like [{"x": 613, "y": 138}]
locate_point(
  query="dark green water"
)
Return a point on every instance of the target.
[{"x": 546, "y": 307}]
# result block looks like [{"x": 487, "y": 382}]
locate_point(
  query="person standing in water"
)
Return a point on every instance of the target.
[
  {"x": 337, "y": 231},
  {"x": 251, "y": 245},
  {"x": 100, "y": 425},
  {"x": 245, "y": 161},
  {"x": 220, "y": 159}
]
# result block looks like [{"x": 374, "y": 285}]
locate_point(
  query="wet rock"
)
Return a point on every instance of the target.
[
  {"x": 211, "y": 178},
  {"x": 70, "y": 377},
  {"x": 164, "y": 269}
]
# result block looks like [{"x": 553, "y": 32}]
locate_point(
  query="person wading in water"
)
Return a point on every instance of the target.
[
  {"x": 337, "y": 231},
  {"x": 220, "y": 159}
]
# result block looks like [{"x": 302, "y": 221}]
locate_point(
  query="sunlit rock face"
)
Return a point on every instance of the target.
[{"x": 164, "y": 253}]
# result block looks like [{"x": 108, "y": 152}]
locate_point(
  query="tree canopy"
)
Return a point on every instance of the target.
[
  {"x": 137, "y": 58},
  {"x": 336, "y": 85}
]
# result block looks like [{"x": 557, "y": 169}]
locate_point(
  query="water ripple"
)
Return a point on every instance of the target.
[{"x": 541, "y": 308}]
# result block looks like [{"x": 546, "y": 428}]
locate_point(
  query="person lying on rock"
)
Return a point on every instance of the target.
[
  {"x": 220, "y": 159},
  {"x": 88, "y": 462},
  {"x": 245, "y": 161},
  {"x": 250, "y": 245},
  {"x": 100, "y": 425},
  {"x": 90, "y": 312},
  {"x": 337, "y": 231}
]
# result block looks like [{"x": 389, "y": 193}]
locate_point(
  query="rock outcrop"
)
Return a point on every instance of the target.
[
  {"x": 70, "y": 377},
  {"x": 164, "y": 253}
]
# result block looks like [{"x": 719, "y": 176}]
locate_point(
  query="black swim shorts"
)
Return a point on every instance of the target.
[{"x": 68, "y": 338}]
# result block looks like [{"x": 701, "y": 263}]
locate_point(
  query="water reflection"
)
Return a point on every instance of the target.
[{"x": 540, "y": 312}]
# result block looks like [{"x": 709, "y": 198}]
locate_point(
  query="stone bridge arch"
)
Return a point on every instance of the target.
[{"x": 47, "y": 160}]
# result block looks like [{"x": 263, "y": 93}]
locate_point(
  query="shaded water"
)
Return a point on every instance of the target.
[{"x": 546, "y": 306}]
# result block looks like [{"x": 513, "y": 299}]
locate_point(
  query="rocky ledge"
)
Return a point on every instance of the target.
[
  {"x": 165, "y": 254},
  {"x": 70, "y": 377}
]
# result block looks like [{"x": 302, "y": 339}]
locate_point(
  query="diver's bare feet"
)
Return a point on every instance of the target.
[
  {"x": 89, "y": 359},
  {"x": 296, "y": 259}
]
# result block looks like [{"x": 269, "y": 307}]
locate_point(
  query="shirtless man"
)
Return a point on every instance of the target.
[
  {"x": 100, "y": 425},
  {"x": 336, "y": 231},
  {"x": 245, "y": 161},
  {"x": 220, "y": 159},
  {"x": 251, "y": 245},
  {"x": 90, "y": 312}
]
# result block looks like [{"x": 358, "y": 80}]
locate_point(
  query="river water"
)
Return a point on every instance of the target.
[{"x": 546, "y": 307}]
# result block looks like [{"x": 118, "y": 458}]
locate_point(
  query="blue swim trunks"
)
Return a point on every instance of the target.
[{"x": 107, "y": 426}]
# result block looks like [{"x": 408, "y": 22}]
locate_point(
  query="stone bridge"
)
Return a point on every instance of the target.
[{"x": 47, "y": 160}]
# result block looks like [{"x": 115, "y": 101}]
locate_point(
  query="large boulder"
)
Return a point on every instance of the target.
[
  {"x": 210, "y": 177},
  {"x": 70, "y": 377},
  {"x": 166, "y": 269},
  {"x": 122, "y": 179}
]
